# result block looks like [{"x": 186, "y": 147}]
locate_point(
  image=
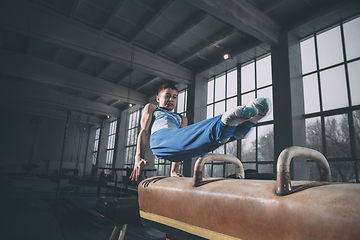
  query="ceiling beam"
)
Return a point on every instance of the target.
[
  {"x": 244, "y": 16},
  {"x": 18, "y": 105},
  {"x": 39, "y": 70},
  {"x": 148, "y": 81},
  {"x": 152, "y": 19},
  {"x": 214, "y": 40},
  {"x": 74, "y": 9},
  {"x": 124, "y": 76},
  {"x": 183, "y": 30},
  {"x": 113, "y": 14},
  {"x": 41, "y": 96},
  {"x": 68, "y": 33},
  {"x": 233, "y": 54}
]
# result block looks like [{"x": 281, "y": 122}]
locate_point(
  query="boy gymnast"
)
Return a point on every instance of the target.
[{"x": 172, "y": 139}]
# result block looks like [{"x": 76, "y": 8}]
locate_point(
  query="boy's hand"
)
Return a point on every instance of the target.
[{"x": 139, "y": 164}]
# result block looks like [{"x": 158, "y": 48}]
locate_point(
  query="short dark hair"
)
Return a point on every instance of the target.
[{"x": 166, "y": 86}]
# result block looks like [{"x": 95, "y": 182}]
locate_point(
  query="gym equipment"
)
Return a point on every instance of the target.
[{"x": 197, "y": 208}]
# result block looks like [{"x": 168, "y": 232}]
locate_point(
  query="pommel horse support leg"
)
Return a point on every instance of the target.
[
  {"x": 196, "y": 208},
  {"x": 121, "y": 211}
]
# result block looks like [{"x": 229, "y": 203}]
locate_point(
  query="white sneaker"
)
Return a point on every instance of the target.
[
  {"x": 238, "y": 115},
  {"x": 262, "y": 105}
]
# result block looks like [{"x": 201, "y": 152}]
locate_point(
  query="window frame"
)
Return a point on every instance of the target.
[
  {"x": 210, "y": 167},
  {"x": 323, "y": 115},
  {"x": 260, "y": 165}
]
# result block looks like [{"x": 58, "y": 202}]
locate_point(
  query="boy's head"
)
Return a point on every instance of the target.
[{"x": 167, "y": 96}]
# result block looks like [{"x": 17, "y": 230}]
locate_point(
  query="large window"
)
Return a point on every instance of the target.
[
  {"x": 161, "y": 165},
  {"x": 257, "y": 149},
  {"x": 96, "y": 146},
  {"x": 331, "y": 82},
  {"x": 132, "y": 136},
  {"x": 222, "y": 96},
  {"x": 111, "y": 145},
  {"x": 182, "y": 102}
]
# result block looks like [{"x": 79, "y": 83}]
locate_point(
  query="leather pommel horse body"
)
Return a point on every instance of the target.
[{"x": 193, "y": 208}]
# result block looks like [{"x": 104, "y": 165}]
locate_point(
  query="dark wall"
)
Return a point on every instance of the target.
[{"x": 39, "y": 140}]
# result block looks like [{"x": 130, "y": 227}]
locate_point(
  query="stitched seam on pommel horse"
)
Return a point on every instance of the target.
[{"x": 202, "y": 232}]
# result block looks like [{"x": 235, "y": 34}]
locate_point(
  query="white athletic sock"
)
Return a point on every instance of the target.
[{"x": 238, "y": 115}]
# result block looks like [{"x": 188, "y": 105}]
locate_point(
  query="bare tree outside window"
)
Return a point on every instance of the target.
[{"x": 330, "y": 64}]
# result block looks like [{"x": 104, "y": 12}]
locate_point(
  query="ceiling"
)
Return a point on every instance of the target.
[{"x": 94, "y": 57}]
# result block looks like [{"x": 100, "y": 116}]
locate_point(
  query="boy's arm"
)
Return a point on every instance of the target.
[
  {"x": 175, "y": 165},
  {"x": 143, "y": 141}
]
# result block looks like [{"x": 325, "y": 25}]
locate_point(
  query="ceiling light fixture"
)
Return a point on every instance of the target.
[{"x": 226, "y": 56}]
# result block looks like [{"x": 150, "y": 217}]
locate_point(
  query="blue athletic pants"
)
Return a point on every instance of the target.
[{"x": 177, "y": 145}]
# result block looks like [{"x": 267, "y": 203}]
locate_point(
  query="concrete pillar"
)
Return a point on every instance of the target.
[
  {"x": 190, "y": 111},
  {"x": 289, "y": 124}
]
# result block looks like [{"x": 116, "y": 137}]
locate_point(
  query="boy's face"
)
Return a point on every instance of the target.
[{"x": 167, "y": 99}]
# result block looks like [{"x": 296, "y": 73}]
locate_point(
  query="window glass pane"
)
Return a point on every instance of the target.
[
  {"x": 132, "y": 120},
  {"x": 248, "y": 153},
  {"x": 128, "y": 142},
  {"x": 313, "y": 133},
  {"x": 337, "y": 136},
  {"x": 229, "y": 170},
  {"x": 356, "y": 117},
  {"x": 246, "y": 98},
  {"x": 308, "y": 58},
  {"x": 161, "y": 170},
  {"x": 218, "y": 170},
  {"x": 329, "y": 47},
  {"x": 266, "y": 143},
  {"x": 210, "y": 92},
  {"x": 267, "y": 93},
  {"x": 249, "y": 166},
  {"x": 263, "y": 72},
  {"x": 247, "y": 78},
  {"x": 311, "y": 93},
  {"x": 96, "y": 145},
  {"x": 231, "y": 148},
  {"x": 231, "y": 103},
  {"x": 232, "y": 83},
  {"x": 131, "y": 155},
  {"x": 209, "y": 111},
  {"x": 207, "y": 170},
  {"x": 220, "y": 150},
  {"x": 185, "y": 102},
  {"x": 342, "y": 171},
  {"x": 354, "y": 78},
  {"x": 133, "y": 136},
  {"x": 220, "y": 88},
  {"x": 167, "y": 170},
  {"x": 180, "y": 103},
  {"x": 265, "y": 168},
  {"x": 94, "y": 158},
  {"x": 352, "y": 38},
  {"x": 333, "y": 88},
  {"x": 219, "y": 108}
]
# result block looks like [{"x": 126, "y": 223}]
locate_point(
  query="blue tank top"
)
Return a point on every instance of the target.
[{"x": 165, "y": 119}]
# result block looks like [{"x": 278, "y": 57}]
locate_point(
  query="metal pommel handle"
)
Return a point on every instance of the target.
[
  {"x": 216, "y": 157},
  {"x": 283, "y": 182}
]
